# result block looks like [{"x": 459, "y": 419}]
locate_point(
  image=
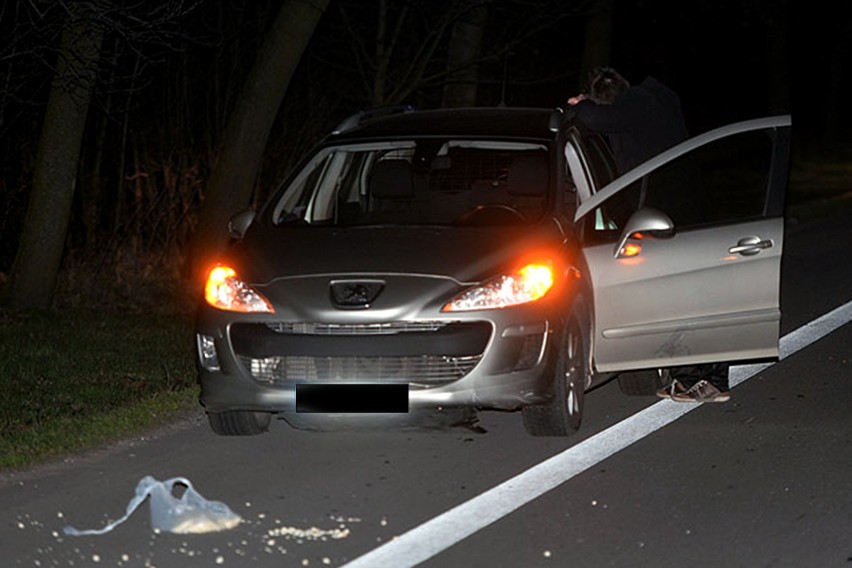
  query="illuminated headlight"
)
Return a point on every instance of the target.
[
  {"x": 207, "y": 354},
  {"x": 224, "y": 290},
  {"x": 522, "y": 286}
]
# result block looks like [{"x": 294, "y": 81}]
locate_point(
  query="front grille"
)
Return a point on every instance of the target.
[
  {"x": 424, "y": 371},
  {"x": 386, "y": 328},
  {"x": 422, "y": 354}
]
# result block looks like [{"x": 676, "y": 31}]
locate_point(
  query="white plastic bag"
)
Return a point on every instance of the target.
[{"x": 189, "y": 513}]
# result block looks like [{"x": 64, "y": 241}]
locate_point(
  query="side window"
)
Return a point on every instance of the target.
[
  {"x": 606, "y": 223},
  {"x": 296, "y": 200},
  {"x": 721, "y": 182},
  {"x": 600, "y": 160},
  {"x": 587, "y": 174}
]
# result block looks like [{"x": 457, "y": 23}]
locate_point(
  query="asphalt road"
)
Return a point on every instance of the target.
[{"x": 764, "y": 480}]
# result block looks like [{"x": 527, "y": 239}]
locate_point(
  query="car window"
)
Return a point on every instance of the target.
[
  {"x": 431, "y": 182},
  {"x": 600, "y": 160},
  {"x": 721, "y": 182}
]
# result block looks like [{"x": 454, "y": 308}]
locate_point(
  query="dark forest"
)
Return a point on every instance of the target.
[{"x": 158, "y": 84}]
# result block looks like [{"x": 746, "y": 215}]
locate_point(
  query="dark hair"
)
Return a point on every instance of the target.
[{"x": 606, "y": 85}]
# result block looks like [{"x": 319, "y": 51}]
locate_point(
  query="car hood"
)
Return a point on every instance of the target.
[{"x": 463, "y": 254}]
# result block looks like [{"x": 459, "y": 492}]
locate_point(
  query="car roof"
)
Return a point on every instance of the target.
[{"x": 497, "y": 122}]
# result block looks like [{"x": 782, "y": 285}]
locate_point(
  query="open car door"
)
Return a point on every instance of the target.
[{"x": 684, "y": 252}]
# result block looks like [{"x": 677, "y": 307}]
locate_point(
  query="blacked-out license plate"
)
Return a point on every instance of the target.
[{"x": 361, "y": 398}]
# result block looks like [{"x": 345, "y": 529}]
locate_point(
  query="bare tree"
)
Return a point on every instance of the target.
[
  {"x": 240, "y": 156},
  {"x": 77, "y": 86},
  {"x": 399, "y": 49},
  {"x": 462, "y": 58},
  {"x": 394, "y": 44},
  {"x": 36, "y": 266},
  {"x": 598, "y": 36}
]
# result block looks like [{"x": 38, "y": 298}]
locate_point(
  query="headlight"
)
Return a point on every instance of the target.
[
  {"x": 522, "y": 286},
  {"x": 227, "y": 292}
]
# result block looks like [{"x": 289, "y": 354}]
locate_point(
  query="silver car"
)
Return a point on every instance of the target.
[{"x": 452, "y": 261}]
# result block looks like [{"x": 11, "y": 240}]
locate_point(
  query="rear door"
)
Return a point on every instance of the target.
[{"x": 707, "y": 291}]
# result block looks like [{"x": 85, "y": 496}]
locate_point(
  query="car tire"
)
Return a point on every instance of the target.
[
  {"x": 642, "y": 383},
  {"x": 239, "y": 422},
  {"x": 564, "y": 413}
]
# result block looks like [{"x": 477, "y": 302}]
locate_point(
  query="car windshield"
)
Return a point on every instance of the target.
[{"x": 419, "y": 182}]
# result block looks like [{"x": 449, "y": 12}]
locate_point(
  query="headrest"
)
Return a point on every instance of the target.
[
  {"x": 528, "y": 174},
  {"x": 391, "y": 178}
]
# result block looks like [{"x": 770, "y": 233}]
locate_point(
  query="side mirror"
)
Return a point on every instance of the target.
[
  {"x": 239, "y": 223},
  {"x": 646, "y": 222}
]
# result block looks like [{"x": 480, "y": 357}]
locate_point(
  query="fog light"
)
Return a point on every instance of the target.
[
  {"x": 530, "y": 354},
  {"x": 207, "y": 353}
]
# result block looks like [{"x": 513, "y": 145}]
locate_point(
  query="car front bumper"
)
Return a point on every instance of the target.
[{"x": 504, "y": 362}]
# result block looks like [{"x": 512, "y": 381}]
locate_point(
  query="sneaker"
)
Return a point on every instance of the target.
[
  {"x": 702, "y": 391},
  {"x": 673, "y": 388}
]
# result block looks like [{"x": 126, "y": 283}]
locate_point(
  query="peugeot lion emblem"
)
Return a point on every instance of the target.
[{"x": 355, "y": 293}]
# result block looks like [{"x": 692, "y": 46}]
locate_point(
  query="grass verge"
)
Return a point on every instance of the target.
[{"x": 77, "y": 379}]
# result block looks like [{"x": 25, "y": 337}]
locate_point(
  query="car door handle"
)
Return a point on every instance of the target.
[{"x": 749, "y": 246}]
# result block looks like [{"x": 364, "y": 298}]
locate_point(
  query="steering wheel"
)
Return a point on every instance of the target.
[{"x": 491, "y": 214}]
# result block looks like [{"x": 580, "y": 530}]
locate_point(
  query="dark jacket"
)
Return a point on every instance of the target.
[{"x": 642, "y": 122}]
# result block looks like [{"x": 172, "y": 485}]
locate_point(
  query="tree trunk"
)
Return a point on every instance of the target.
[
  {"x": 464, "y": 50},
  {"x": 234, "y": 174},
  {"x": 92, "y": 192},
  {"x": 33, "y": 277},
  {"x": 598, "y": 38}
]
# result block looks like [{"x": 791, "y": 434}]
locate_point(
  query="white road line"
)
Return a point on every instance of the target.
[{"x": 436, "y": 535}]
